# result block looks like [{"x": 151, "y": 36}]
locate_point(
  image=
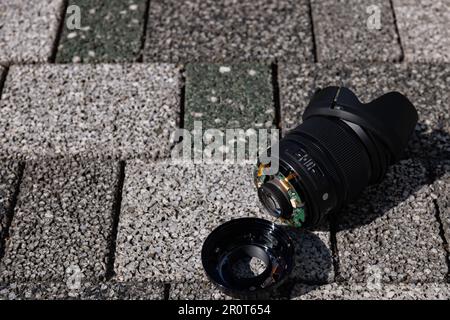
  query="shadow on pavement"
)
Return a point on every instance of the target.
[{"x": 426, "y": 149}]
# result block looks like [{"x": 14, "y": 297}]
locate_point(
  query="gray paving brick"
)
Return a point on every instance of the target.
[
  {"x": 28, "y": 30},
  {"x": 392, "y": 232},
  {"x": 357, "y": 291},
  {"x": 62, "y": 222},
  {"x": 9, "y": 177},
  {"x": 424, "y": 28},
  {"x": 229, "y": 96},
  {"x": 168, "y": 210},
  {"x": 111, "y": 290},
  {"x": 213, "y": 31},
  {"x": 424, "y": 84},
  {"x": 89, "y": 110},
  {"x": 297, "y": 86},
  {"x": 342, "y": 31},
  {"x": 195, "y": 291},
  {"x": 111, "y": 31},
  {"x": 441, "y": 194}
]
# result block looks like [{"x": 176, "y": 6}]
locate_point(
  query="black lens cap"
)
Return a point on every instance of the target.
[{"x": 248, "y": 257}]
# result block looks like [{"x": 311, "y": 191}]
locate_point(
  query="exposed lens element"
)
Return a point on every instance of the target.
[{"x": 342, "y": 146}]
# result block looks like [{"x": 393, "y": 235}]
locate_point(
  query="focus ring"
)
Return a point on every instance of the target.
[{"x": 344, "y": 147}]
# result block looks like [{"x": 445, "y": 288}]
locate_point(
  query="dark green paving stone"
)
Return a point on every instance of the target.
[
  {"x": 62, "y": 222},
  {"x": 228, "y": 30},
  {"x": 111, "y": 31},
  {"x": 229, "y": 96},
  {"x": 8, "y": 183},
  {"x": 424, "y": 84},
  {"x": 341, "y": 31}
]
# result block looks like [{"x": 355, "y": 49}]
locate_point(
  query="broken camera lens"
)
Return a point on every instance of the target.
[
  {"x": 248, "y": 257},
  {"x": 342, "y": 146}
]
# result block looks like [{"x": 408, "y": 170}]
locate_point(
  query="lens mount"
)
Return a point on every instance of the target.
[
  {"x": 279, "y": 194},
  {"x": 229, "y": 249}
]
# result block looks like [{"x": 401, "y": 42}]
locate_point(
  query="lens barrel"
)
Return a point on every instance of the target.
[{"x": 342, "y": 146}]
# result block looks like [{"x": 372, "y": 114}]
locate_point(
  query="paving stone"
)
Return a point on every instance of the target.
[
  {"x": 28, "y": 30},
  {"x": 62, "y": 222},
  {"x": 207, "y": 291},
  {"x": 125, "y": 291},
  {"x": 441, "y": 194},
  {"x": 341, "y": 30},
  {"x": 196, "y": 291},
  {"x": 213, "y": 31},
  {"x": 391, "y": 232},
  {"x": 111, "y": 290},
  {"x": 229, "y": 96},
  {"x": 168, "y": 210},
  {"x": 424, "y": 28},
  {"x": 297, "y": 86},
  {"x": 110, "y": 31},
  {"x": 89, "y": 110},
  {"x": 9, "y": 178},
  {"x": 357, "y": 291},
  {"x": 424, "y": 84}
]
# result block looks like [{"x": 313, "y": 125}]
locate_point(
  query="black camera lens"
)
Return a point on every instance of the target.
[{"x": 341, "y": 147}]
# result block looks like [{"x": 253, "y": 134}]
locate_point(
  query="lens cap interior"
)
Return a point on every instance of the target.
[{"x": 248, "y": 257}]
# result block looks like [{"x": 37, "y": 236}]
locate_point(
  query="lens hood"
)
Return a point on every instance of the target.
[{"x": 391, "y": 117}]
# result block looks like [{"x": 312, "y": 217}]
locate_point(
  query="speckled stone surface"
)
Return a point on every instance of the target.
[
  {"x": 28, "y": 30},
  {"x": 297, "y": 85},
  {"x": 111, "y": 290},
  {"x": 424, "y": 27},
  {"x": 342, "y": 32},
  {"x": 424, "y": 84},
  {"x": 111, "y": 31},
  {"x": 94, "y": 111},
  {"x": 360, "y": 291},
  {"x": 9, "y": 178},
  {"x": 229, "y": 96},
  {"x": 62, "y": 222},
  {"x": 213, "y": 31},
  {"x": 168, "y": 210},
  {"x": 391, "y": 231},
  {"x": 199, "y": 290}
]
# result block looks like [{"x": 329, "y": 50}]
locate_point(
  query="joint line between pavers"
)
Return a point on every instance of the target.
[
  {"x": 442, "y": 235},
  {"x": 182, "y": 96},
  {"x": 3, "y": 79},
  {"x": 144, "y": 31},
  {"x": 335, "y": 248},
  {"x": 276, "y": 96},
  {"x": 313, "y": 35},
  {"x": 11, "y": 209},
  {"x": 109, "y": 274},
  {"x": 59, "y": 31},
  {"x": 166, "y": 293},
  {"x": 397, "y": 31}
]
